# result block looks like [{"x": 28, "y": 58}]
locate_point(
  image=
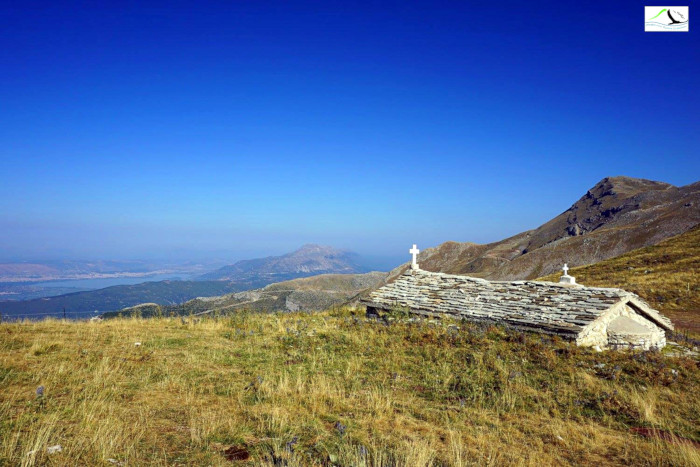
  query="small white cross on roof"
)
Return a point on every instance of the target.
[
  {"x": 414, "y": 251},
  {"x": 565, "y": 269}
]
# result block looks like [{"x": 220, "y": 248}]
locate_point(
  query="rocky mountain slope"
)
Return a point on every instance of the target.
[
  {"x": 308, "y": 260},
  {"x": 617, "y": 215},
  {"x": 315, "y": 293}
]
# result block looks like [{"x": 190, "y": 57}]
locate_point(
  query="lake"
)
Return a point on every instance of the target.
[
  {"x": 92, "y": 284},
  {"x": 30, "y": 290}
]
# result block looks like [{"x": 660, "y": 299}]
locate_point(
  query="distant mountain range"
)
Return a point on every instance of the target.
[
  {"x": 667, "y": 275},
  {"x": 617, "y": 215},
  {"x": 27, "y": 272},
  {"x": 305, "y": 294},
  {"x": 309, "y": 260}
]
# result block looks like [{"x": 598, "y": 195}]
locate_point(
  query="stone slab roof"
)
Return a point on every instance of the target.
[{"x": 542, "y": 306}]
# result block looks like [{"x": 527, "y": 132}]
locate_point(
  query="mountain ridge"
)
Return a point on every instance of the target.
[
  {"x": 309, "y": 259},
  {"x": 617, "y": 215},
  {"x": 314, "y": 293}
]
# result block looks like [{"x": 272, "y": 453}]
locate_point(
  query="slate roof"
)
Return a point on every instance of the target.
[{"x": 543, "y": 306}]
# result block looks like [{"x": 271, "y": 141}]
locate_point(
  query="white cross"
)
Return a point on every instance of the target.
[
  {"x": 565, "y": 269},
  {"x": 414, "y": 251}
]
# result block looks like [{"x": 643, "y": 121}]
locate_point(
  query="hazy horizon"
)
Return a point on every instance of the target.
[
  {"x": 207, "y": 132},
  {"x": 212, "y": 260}
]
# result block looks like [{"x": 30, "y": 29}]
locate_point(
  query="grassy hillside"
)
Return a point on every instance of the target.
[
  {"x": 316, "y": 293},
  {"x": 333, "y": 389},
  {"x": 667, "y": 275}
]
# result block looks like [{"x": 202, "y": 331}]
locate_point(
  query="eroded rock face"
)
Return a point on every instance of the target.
[{"x": 575, "y": 230}]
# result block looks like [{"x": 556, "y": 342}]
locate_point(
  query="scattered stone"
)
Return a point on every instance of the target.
[
  {"x": 54, "y": 449},
  {"x": 137, "y": 344},
  {"x": 290, "y": 444},
  {"x": 683, "y": 351}
]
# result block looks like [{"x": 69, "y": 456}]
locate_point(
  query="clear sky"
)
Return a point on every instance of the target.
[{"x": 239, "y": 129}]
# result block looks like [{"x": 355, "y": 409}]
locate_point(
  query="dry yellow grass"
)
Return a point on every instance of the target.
[{"x": 332, "y": 389}]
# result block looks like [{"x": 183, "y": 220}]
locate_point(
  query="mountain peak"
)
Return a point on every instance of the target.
[
  {"x": 625, "y": 187},
  {"x": 310, "y": 259},
  {"x": 314, "y": 247},
  {"x": 605, "y": 205}
]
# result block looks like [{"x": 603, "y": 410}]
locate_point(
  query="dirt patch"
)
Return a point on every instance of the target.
[{"x": 236, "y": 453}]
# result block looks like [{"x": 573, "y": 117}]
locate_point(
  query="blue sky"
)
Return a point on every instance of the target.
[{"x": 194, "y": 130}]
